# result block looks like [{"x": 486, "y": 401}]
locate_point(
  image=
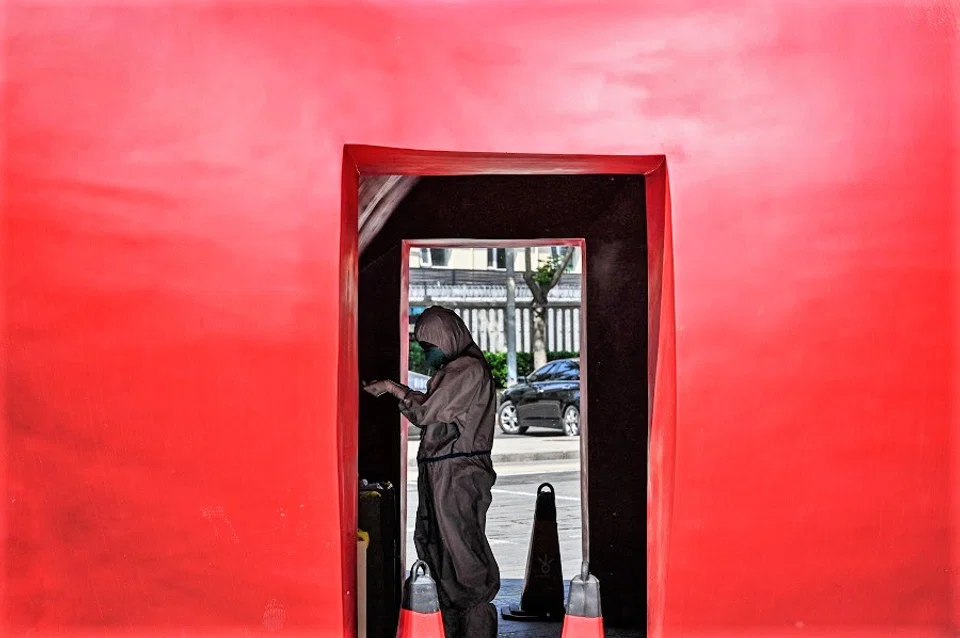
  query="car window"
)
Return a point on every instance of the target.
[
  {"x": 546, "y": 373},
  {"x": 568, "y": 371}
]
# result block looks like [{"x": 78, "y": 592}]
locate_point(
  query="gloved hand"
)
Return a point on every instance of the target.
[{"x": 379, "y": 388}]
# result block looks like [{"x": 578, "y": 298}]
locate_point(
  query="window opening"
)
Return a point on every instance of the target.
[{"x": 497, "y": 258}]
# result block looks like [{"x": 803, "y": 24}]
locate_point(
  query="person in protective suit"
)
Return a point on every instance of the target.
[{"x": 456, "y": 416}]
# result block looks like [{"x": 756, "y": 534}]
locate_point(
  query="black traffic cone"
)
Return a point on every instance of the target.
[
  {"x": 420, "y": 611},
  {"x": 542, "y": 597},
  {"x": 583, "y": 619}
]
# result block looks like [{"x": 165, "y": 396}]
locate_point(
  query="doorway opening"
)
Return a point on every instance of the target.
[
  {"x": 536, "y": 361},
  {"x": 616, "y": 209}
]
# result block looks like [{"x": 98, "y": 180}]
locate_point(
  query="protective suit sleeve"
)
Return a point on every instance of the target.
[{"x": 446, "y": 402}]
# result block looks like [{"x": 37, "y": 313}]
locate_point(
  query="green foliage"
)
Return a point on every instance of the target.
[
  {"x": 417, "y": 364},
  {"x": 545, "y": 272},
  {"x": 543, "y": 275},
  {"x": 498, "y": 363},
  {"x": 496, "y": 360}
]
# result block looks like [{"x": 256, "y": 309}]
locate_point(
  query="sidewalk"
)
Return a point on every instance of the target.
[{"x": 543, "y": 445}]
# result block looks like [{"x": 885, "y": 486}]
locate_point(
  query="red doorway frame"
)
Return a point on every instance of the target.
[{"x": 661, "y": 365}]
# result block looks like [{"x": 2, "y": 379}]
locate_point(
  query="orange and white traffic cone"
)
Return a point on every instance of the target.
[
  {"x": 420, "y": 611},
  {"x": 583, "y": 618}
]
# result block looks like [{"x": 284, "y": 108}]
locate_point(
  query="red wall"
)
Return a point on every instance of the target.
[{"x": 171, "y": 290}]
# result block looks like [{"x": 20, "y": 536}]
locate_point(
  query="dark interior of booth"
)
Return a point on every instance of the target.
[{"x": 609, "y": 213}]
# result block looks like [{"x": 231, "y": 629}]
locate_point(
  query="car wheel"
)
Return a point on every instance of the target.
[
  {"x": 509, "y": 420},
  {"x": 571, "y": 421}
]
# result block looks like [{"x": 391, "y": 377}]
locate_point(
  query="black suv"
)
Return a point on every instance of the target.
[{"x": 548, "y": 398}]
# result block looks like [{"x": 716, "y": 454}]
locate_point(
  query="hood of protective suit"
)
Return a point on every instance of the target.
[{"x": 444, "y": 329}]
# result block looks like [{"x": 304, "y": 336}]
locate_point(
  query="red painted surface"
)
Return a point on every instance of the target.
[
  {"x": 347, "y": 377},
  {"x": 172, "y": 315},
  {"x": 414, "y": 625},
  {"x": 576, "y": 627},
  {"x": 662, "y": 456}
]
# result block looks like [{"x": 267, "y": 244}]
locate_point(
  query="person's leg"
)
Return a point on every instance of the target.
[
  {"x": 452, "y": 621},
  {"x": 468, "y": 577},
  {"x": 426, "y": 533},
  {"x": 479, "y": 621},
  {"x": 468, "y": 573}
]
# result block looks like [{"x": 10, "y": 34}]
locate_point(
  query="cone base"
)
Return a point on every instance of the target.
[
  {"x": 579, "y": 627},
  {"x": 513, "y": 612},
  {"x": 415, "y": 625}
]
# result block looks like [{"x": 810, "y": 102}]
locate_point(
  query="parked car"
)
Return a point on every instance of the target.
[{"x": 548, "y": 398}]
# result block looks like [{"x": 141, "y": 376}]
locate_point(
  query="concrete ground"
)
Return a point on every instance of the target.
[
  {"x": 510, "y": 590},
  {"x": 510, "y": 518},
  {"x": 522, "y": 464},
  {"x": 538, "y": 444}
]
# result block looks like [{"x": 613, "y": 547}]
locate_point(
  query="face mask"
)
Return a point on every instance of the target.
[{"x": 433, "y": 356}]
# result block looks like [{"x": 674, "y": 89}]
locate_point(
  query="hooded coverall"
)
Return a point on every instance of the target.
[{"x": 457, "y": 416}]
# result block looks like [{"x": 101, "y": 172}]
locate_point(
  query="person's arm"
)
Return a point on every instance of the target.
[
  {"x": 379, "y": 388},
  {"x": 411, "y": 406},
  {"x": 445, "y": 402},
  {"x": 412, "y": 398},
  {"x": 412, "y": 402}
]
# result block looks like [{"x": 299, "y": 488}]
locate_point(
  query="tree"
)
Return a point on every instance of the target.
[{"x": 541, "y": 281}]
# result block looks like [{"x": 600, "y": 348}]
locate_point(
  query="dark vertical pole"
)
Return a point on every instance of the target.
[
  {"x": 616, "y": 294},
  {"x": 510, "y": 319},
  {"x": 379, "y": 430}
]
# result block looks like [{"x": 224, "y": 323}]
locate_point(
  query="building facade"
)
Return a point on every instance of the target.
[{"x": 473, "y": 283}]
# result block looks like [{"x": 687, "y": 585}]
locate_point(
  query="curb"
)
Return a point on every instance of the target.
[{"x": 525, "y": 457}]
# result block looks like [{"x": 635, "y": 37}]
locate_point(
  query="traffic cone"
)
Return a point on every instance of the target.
[
  {"x": 420, "y": 611},
  {"x": 583, "y": 619},
  {"x": 542, "y": 597}
]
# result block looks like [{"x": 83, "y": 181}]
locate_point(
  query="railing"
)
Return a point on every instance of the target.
[
  {"x": 454, "y": 276},
  {"x": 439, "y": 293},
  {"x": 486, "y": 323},
  {"x": 480, "y": 296},
  {"x": 417, "y": 381}
]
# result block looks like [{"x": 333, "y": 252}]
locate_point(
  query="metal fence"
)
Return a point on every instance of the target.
[
  {"x": 448, "y": 294},
  {"x": 486, "y": 321},
  {"x": 480, "y": 298},
  {"x": 417, "y": 381}
]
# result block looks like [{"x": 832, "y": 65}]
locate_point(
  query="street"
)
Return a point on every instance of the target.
[
  {"x": 522, "y": 464},
  {"x": 510, "y": 519}
]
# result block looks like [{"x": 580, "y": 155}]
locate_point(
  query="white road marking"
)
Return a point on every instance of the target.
[
  {"x": 559, "y": 498},
  {"x": 492, "y": 541},
  {"x": 504, "y": 471},
  {"x": 527, "y": 469}
]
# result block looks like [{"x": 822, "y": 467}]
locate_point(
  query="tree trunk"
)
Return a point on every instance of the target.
[{"x": 539, "y": 313}]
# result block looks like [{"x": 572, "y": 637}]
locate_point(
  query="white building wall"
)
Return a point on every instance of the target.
[{"x": 478, "y": 259}]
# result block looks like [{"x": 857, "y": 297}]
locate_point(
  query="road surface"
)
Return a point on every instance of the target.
[{"x": 510, "y": 519}]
